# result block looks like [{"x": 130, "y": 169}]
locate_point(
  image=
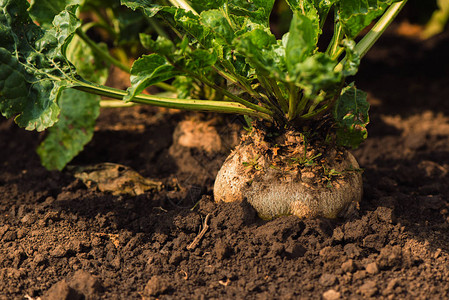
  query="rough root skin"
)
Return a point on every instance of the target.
[{"x": 275, "y": 192}]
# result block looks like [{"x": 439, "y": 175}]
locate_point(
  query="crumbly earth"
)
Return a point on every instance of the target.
[{"x": 61, "y": 240}]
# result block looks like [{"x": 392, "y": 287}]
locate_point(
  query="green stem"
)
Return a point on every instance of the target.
[
  {"x": 280, "y": 97},
  {"x": 109, "y": 58},
  {"x": 230, "y": 95},
  {"x": 374, "y": 34},
  {"x": 273, "y": 106},
  {"x": 103, "y": 54},
  {"x": 229, "y": 75},
  {"x": 292, "y": 101},
  {"x": 315, "y": 113},
  {"x": 334, "y": 45},
  {"x": 186, "y": 104}
]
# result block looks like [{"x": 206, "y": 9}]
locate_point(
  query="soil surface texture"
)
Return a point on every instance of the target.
[{"x": 60, "y": 239}]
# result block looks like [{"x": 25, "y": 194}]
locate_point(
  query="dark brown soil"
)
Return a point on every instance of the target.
[{"x": 61, "y": 240}]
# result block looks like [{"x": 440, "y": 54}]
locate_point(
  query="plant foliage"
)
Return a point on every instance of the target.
[{"x": 221, "y": 50}]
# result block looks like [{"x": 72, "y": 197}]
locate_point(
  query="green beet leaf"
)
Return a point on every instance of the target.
[
  {"x": 148, "y": 7},
  {"x": 302, "y": 39},
  {"x": 33, "y": 67},
  {"x": 44, "y": 11},
  {"x": 311, "y": 10},
  {"x": 352, "y": 59},
  {"x": 258, "y": 11},
  {"x": 148, "y": 70},
  {"x": 161, "y": 45},
  {"x": 217, "y": 22},
  {"x": 191, "y": 24},
  {"x": 32, "y": 104},
  {"x": 351, "y": 115},
  {"x": 74, "y": 129},
  {"x": 262, "y": 52},
  {"x": 317, "y": 73},
  {"x": 355, "y": 15}
]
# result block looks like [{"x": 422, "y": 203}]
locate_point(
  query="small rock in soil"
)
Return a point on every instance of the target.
[
  {"x": 368, "y": 289},
  {"x": 372, "y": 268},
  {"x": 328, "y": 279},
  {"x": 155, "y": 286},
  {"x": 87, "y": 284},
  {"x": 331, "y": 295},
  {"x": 62, "y": 291},
  {"x": 348, "y": 266}
]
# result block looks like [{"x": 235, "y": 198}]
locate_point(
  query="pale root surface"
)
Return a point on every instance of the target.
[{"x": 273, "y": 194}]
